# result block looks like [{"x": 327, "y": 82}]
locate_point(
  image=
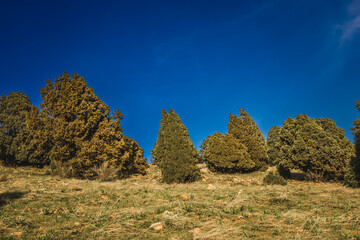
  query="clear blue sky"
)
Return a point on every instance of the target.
[{"x": 205, "y": 59}]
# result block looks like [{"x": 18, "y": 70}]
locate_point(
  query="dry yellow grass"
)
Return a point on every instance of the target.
[{"x": 38, "y": 206}]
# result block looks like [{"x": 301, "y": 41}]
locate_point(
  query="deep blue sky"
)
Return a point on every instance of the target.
[{"x": 205, "y": 59}]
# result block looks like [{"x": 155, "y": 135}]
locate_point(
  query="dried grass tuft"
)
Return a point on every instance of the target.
[{"x": 106, "y": 172}]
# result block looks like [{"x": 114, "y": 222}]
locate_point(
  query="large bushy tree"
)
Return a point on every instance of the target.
[
  {"x": 225, "y": 153},
  {"x": 352, "y": 177},
  {"x": 174, "y": 152},
  {"x": 273, "y": 144},
  {"x": 76, "y": 132},
  {"x": 16, "y": 146},
  {"x": 317, "y": 147},
  {"x": 244, "y": 129}
]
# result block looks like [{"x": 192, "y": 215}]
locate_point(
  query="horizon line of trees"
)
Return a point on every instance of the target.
[{"x": 74, "y": 132}]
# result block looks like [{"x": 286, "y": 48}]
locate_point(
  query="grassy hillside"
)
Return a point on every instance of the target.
[{"x": 34, "y": 205}]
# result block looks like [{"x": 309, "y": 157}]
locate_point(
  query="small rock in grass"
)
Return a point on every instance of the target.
[
  {"x": 77, "y": 224},
  {"x": 17, "y": 234},
  {"x": 168, "y": 213},
  {"x": 211, "y": 187},
  {"x": 157, "y": 226}
]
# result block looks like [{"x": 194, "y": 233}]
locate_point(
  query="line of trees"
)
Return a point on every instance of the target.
[
  {"x": 74, "y": 132},
  {"x": 317, "y": 147}
]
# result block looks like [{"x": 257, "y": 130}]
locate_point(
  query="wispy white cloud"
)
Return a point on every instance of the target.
[{"x": 352, "y": 26}]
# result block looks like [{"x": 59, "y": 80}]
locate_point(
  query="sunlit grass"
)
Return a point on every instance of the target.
[{"x": 39, "y": 206}]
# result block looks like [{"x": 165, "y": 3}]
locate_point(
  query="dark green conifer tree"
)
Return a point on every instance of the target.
[
  {"x": 226, "y": 154},
  {"x": 352, "y": 177},
  {"x": 174, "y": 151},
  {"x": 317, "y": 147},
  {"x": 273, "y": 144},
  {"x": 248, "y": 133},
  {"x": 15, "y": 141}
]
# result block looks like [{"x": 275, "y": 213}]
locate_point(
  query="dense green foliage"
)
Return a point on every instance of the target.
[
  {"x": 75, "y": 131},
  {"x": 274, "y": 178},
  {"x": 273, "y": 144},
  {"x": 225, "y": 153},
  {"x": 317, "y": 147},
  {"x": 352, "y": 177},
  {"x": 16, "y": 145},
  {"x": 248, "y": 133},
  {"x": 174, "y": 152}
]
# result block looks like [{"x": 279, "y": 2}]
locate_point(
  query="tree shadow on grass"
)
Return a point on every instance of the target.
[
  {"x": 8, "y": 197},
  {"x": 299, "y": 176}
]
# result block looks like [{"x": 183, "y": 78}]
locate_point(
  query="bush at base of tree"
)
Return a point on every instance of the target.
[
  {"x": 75, "y": 131},
  {"x": 352, "y": 177},
  {"x": 316, "y": 147},
  {"x": 274, "y": 178},
  {"x": 174, "y": 151},
  {"x": 226, "y": 154}
]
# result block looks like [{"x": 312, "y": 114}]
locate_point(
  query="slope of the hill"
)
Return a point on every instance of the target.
[{"x": 34, "y": 205}]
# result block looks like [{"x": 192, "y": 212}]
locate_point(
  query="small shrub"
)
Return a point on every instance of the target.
[{"x": 274, "y": 178}]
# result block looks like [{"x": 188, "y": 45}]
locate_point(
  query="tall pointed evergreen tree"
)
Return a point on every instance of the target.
[
  {"x": 174, "y": 151},
  {"x": 352, "y": 177},
  {"x": 248, "y": 133}
]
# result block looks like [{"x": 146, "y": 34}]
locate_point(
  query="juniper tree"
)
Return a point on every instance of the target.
[
  {"x": 316, "y": 147},
  {"x": 248, "y": 133},
  {"x": 352, "y": 177},
  {"x": 273, "y": 144},
  {"x": 225, "y": 153},
  {"x": 15, "y": 140},
  {"x": 76, "y": 131},
  {"x": 174, "y": 151}
]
